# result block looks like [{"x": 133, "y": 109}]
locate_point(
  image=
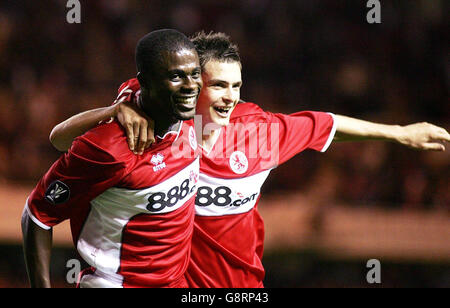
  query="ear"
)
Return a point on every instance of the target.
[
  {"x": 141, "y": 79},
  {"x": 144, "y": 81}
]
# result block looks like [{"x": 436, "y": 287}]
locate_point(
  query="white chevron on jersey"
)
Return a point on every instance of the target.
[{"x": 100, "y": 240}]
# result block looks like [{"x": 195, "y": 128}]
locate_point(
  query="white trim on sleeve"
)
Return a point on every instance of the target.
[
  {"x": 127, "y": 88},
  {"x": 34, "y": 219},
  {"x": 332, "y": 133}
]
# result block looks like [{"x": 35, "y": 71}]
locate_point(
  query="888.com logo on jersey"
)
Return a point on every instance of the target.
[
  {"x": 157, "y": 202},
  {"x": 222, "y": 200},
  {"x": 174, "y": 192},
  {"x": 219, "y": 196}
]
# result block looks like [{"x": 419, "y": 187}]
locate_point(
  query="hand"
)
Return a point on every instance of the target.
[
  {"x": 424, "y": 136},
  {"x": 138, "y": 126}
]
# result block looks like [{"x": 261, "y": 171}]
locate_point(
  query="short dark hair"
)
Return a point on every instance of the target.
[
  {"x": 215, "y": 46},
  {"x": 150, "y": 48}
]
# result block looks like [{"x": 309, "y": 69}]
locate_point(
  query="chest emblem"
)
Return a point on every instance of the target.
[{"x": 238, "y": 162}]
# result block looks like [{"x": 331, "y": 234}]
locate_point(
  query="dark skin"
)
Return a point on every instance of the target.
[
  {"x": 169, "y": 95},
  {"x": 37, "y": 245},
  {"x": 171, "y": 92}
]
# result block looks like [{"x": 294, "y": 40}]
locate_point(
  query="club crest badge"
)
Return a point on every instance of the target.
[{"x": 238, "y": 162}]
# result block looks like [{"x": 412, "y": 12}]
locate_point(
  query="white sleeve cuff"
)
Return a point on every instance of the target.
[
  {"x": 34, "y": 219},
  {"x": 332, "y": 133}
]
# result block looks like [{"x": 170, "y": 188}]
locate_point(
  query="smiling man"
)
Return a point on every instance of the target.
[
  {"x": 241, "y": 145},
  {"x": 131, "y": 216},
  {"x": 173, "y": 87}
]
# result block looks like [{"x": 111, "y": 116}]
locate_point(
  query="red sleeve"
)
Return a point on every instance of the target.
[
  {"x": 281, "y": 136},
  {"x": 72, "y": 182},
  {"x": 300, "y": 131},
  {"x": 128, "y": 91}
]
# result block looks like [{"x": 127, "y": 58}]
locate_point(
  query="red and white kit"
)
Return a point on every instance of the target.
[
  {"x": 131, "y": 216},
  {"x": 227, "y": 244}
]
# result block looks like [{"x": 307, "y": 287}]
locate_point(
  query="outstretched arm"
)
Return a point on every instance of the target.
[
  {"x": 423, "y": 136},
  {"x": 37, "y": 245},
  {"x": 138, "y": 127}
]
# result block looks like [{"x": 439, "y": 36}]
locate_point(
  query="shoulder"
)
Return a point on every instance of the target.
[
  {"x": 246, "y": 109},
  {"x": 103, "y": 143},
  {"x": 131, "y": 85}
]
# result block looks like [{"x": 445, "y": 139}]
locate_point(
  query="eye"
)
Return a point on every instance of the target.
[
  {"x": 175, "y": 77},
  {"x": 196, "y": 75},
  {"x": 217, "y": 85}
]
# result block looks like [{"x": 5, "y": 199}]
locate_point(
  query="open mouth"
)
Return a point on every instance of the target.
[
  {"x": 186, "y": 102},
  {"x": 222, "y": 111}
]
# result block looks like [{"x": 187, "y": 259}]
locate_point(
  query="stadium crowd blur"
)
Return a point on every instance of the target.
[{"x": 297, "y": 55}]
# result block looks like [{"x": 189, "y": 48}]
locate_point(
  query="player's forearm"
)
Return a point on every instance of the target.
[
  {"x": 351, "y": 129},
  {"x": 37, "y": 244},
  {"x": 65, "y": 132}
]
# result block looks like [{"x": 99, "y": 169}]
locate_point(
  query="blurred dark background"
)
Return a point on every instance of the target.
[{"x": 297, "y": 55}]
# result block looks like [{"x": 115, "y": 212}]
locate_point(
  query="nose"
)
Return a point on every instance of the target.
[
  {"x": 229, "y": 96},
  {"x": 190, "y": 84}
]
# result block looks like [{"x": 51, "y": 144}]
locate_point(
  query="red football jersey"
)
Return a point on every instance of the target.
[
  {"x": 131, "y": 216},
  {"x": 227, "y": 244}
]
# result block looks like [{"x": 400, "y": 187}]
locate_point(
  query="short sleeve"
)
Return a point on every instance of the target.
[
  {"x": 73, "y": 180},
  {"x": 128, "y": 91},
  {"x": 300, "y": 131}
]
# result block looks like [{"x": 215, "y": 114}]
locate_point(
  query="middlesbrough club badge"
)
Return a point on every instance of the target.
[{"x": 238, "y": 162}]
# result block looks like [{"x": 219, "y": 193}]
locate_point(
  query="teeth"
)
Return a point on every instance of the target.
[
  {"x": 221, "y": 109},
  {"x": 187, "y": 100}
]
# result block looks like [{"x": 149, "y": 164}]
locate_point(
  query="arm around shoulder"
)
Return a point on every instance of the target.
[
  {"x": 139, "y": 128},
  {"x": 65, "y": 132}
]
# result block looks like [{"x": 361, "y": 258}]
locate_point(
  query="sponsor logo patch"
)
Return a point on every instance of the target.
[{"x": 57, "y": 193}]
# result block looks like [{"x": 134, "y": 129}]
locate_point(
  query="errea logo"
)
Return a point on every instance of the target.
[{"x": 158, "y": 161}]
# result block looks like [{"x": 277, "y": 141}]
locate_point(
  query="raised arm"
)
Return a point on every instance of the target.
[
  {"x": 423, "y": 136},
  {"x": 65, "y": 132},
  {"x": 37, "y": 245},
  {"x": 138, "y": 127}
]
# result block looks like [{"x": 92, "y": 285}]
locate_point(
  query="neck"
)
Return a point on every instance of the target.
[
  {"x": 210, "y": 137},
  {"x": 163, "y": 123}
]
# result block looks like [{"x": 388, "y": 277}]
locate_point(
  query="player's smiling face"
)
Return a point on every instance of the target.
[
  {"x": 177, "y": 86},
  {"x": 221, "y": 92}
]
